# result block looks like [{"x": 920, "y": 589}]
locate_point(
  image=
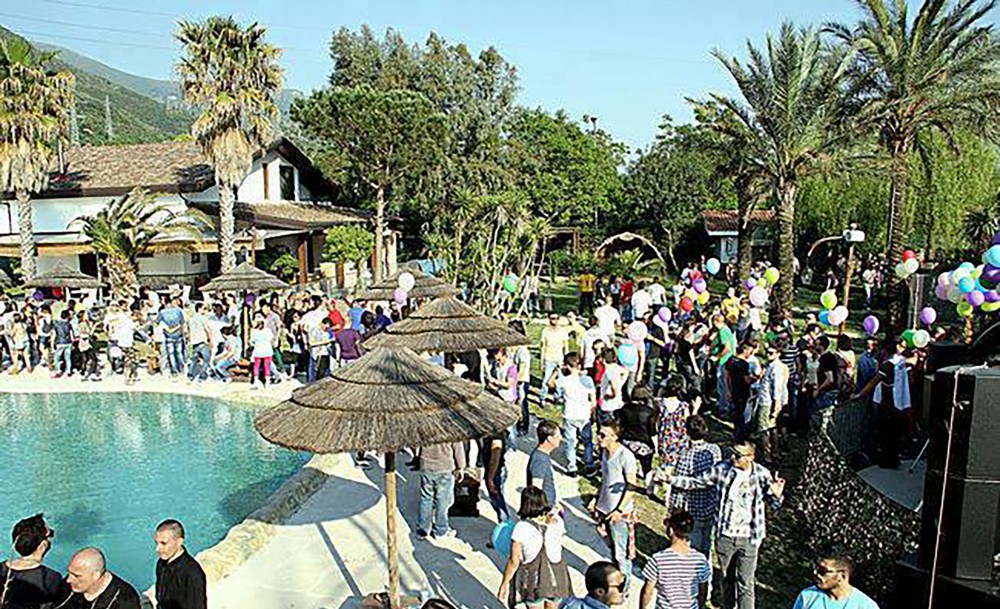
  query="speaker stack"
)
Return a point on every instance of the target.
[{"x": 970, "y": 522}]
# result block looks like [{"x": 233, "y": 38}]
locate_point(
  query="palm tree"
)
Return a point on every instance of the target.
[
  {"x": 129, "y": 227},
  {"x": 232, "y": 74},
  {"x": 787, "y": 115},
  {"x": 35, "y": 103},
  {"x": 937, "y": 72}
]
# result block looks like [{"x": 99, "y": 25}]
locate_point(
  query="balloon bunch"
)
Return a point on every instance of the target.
[
  {"x": 697, "y": 293},
  {"x": 832, "y": 314},
  {"x": 971, "y": 287},
  {"x": 916, "y": 338},
  {"x": 402, "y": 292},
  {"x": 759, "y": 287},
  {"x": 908, "y": 266}
]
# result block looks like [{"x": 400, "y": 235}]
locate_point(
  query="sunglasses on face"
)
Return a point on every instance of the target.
[
  {"x": 824, "y": 571},
  {"x": 620, "y": 586}
]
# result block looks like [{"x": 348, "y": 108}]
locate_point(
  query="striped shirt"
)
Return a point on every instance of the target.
[{"x": 678, "y": 578}]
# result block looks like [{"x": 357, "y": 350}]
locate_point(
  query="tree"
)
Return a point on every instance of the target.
[
  {"x": 232, "y": 74},
  {"x": 377, "y": 142},
  {"x": 35, "y": 103},
  {"x": 128, "y": 228},
  {"x": 790, "y": 97},
  {"x": 348, "y": 243},
  {"x": 937, "y": 72}
]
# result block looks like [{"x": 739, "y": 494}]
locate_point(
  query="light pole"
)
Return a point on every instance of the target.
[{"x": 851, "y": 236}]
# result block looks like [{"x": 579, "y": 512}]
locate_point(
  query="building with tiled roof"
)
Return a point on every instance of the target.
[
  {"x": 281, "y": 205},
  {"x": 722, "y": 228}
]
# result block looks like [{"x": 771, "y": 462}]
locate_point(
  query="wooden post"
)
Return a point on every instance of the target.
[
  {"x": 390, "y": 528},
  {"x": 303, "y": 262},
  {"x": 847, "y": 281}
]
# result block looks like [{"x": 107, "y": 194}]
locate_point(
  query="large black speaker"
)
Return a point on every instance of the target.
[{"x": 970, "y": 529}]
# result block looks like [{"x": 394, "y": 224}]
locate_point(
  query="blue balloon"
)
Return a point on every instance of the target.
[
  {"x": 824, "y": 317},
  {"x": 501, "y": 537},
  {"x": 628, "y": 355},
  {"x": 968, "y": 266},
  {"x": 966, "y": 285},
  {"x": 713, "y": 266},
  {"x": 993, "y": 255}
]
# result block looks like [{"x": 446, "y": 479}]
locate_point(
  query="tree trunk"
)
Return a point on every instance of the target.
[
  {"x": 744, "y": 235},
  {"x": 227, "y": 228},
  {"x": 123, "y": 277},
  {"x": 783, "y": 292},
  {"x": 27, "y": 234},
  {"x": 900, "y": 173},
  {"x": 379, "y": 229}
]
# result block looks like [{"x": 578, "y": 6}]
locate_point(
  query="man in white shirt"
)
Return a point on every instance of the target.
[
  {"x": 579, "y": 401},
  {"x": 657, "y": 292},
  {"x": 641, "y": 301},
  {"x": 590, "y": 338},
  {"x": 612, "y": 386},
  {"x": 124, "y": 336},
  {"x": 608, "y": 319},
  {"x": 201, "y": 351}
]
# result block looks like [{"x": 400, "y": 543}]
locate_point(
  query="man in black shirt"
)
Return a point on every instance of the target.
[
  {"x": 180, "y": 580},
  {"x": 739, "y": 378},
  {"x": 26, "y": 581},
  {"x": 94, "y": 587}
]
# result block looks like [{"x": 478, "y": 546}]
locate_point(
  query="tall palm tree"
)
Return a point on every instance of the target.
[
  {"x": 936, "y": 72},
  {"x": 129, "y": 227},
  {"x": 232, "y": 74},
  {"x": 787, "y": 116},
  {"x": 35, "y": 103}
]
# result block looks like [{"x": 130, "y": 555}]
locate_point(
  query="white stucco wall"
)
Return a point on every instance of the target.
[
  {"x": 55, "y": 215},
  {"x": 173, "y": 264}
]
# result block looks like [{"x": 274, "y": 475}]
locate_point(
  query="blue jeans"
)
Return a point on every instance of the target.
[
  {"x": 548, "y": 369},
  {"x": 315, "y": 364},
  {"x": 175, "y": 355},
  {"x": 618, "y": 540},
  {"x": 221, "y": 369},
  {"x": 720, "y": 388},
  {"x": 201, "y": 356},
  {"x": 702, "y": 536},
  {"x": 63, "y": 354},
  {"x": 497, "y": 501},
  {"x": 437, "y": 493},
  {"x": 525, "y": 423},
  {"x": 572, "y": 429}
]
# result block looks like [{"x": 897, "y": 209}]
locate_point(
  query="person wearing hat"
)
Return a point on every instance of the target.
[{"x": 26, "y": 581}]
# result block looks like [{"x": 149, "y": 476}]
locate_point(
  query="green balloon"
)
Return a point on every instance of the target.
[
  {"x": 990, "y": 307},
  {"x": 828, "y": 299},
  {"x": 510, "y": 283},
  {"x": 772, "y": 275},
  {"x": 908, "y": 336},
  {"x": 964, "y": 308}
]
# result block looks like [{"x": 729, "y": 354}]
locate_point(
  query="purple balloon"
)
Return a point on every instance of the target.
[
  {"x": 399, "y": 296},
  {"x": 38, "y": 295},
  {"x": 871, "y": 325},
  {"x": 250, "y": 299},
  {"x": 699, "y": 285},
  {"x": 975, "y": 298},
  {"x": 664, "y": 314},
  {"x": 928, "y": 316},
  {"x": 991, "y": 296},
  {"x": 941, "y": 292},
  {"x": 750, "y": 283},
  {"x": 990, "y": 273}
]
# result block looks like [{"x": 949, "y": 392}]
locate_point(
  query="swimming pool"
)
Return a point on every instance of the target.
[{"x": 105, "y": 468}]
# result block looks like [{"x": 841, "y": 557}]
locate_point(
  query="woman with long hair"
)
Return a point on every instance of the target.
[{"x": 536, "y": 569}]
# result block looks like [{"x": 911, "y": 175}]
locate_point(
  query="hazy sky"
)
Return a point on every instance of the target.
[{"x": 628, "y": 63}]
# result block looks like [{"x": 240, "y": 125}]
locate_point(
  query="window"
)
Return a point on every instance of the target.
[
  {"x": 287, "y": 174},
  {"x": 195, "y": 258}
]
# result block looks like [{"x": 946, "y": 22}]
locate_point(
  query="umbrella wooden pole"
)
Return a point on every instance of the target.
[{"x": 390, "y": 528}]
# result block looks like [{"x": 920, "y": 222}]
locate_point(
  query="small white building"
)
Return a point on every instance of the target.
[
  {"x": 282, "y": 205},
  {"x": 722, "y": 228}
]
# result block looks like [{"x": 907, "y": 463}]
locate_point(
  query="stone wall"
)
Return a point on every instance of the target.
[{"x": 839, "y": 509}]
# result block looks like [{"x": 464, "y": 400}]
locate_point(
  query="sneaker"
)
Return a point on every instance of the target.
[
  {"x": 592, "y": 472},
  {"x": 447, "y": 534},
  {"x": 421, "y": 535},
  {"x": 572, "y": 474}
]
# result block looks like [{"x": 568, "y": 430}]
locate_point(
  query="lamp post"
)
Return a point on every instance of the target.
[{"x": 851, "y": 236}]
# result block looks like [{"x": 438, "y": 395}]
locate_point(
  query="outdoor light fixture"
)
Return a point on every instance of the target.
[{"x": 853, "y": 235}]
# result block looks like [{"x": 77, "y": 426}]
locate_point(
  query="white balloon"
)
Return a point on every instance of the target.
[
  {"x": 954, "y": 294},
  {"x": 407, "y": 281}
]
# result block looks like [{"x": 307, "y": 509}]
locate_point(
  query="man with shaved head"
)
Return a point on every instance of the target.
[
  {"x": 180, "y": 580},
  {"x": 94, "y": 587}
]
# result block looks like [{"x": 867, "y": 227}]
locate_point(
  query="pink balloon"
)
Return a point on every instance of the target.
[{"x": 399, "y": 295}]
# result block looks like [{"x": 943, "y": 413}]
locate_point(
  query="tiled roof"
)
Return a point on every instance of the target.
[
  {"x": 291, "y": 214},
  {"x": 727, "y": 221}
]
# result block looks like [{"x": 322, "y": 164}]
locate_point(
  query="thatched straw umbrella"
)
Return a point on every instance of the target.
[
  {"x": 384, "y": 401},
  {"x": 447, "y": 325},
  {"x": 61, "y": 275},
  {"x": 244, "y": 278},
  {"x": 425, "y": 286},
  {"x": 5, "y": 280}
]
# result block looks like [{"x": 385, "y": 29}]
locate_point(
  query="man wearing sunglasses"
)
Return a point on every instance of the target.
[
  {"x": 744, "y": 487},
  {"x": 25, "y": 581},
  {"x": 605, "y": 588},
  {"x": 833, "y": 589}
]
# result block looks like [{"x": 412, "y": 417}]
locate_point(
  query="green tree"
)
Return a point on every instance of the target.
[
  {"x": 936, "y": 72},
  {"x": 129, "y": 227},
  {"x": 377, "y": 142},
  {"x": 231, "y": 74},
  {"x": 348, "y": 243},
  {"x": 790, "y": 97},
  {"x": 35, "y": 103}
]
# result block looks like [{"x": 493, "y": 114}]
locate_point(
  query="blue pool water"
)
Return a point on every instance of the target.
[{"x": 106, "y": 468}]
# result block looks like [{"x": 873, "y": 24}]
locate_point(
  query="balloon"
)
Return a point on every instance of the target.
[
  {"x": 966, "y": 285},
  {"x": 628, "y": 355},
  {"x": 908, "y": 337},
  {"x": 824, "y": 318},
  {"x": 772, "y": 274},
  {"x": 37, "y": 295},
  {"x": 911, "y": 266},
  {"x": 908, "y": 255},
  {"x": 399, "y": 296},
  {"x": 993, "y": 255},
  {"x": 704, "y": 297},
  {"x": 944, "y": 279},
  {"x": 901, "y": 270},
  {"x": 250, "y": 298},
  {"x": 975, "y": 298},
  {"x": 921, "y": 338},
  {"x": 762, "y": 282},
  {"x": 407, "y": 281},
  {"x": 990, "y": 307},
  {"x": 991, "y": 273},
  {"x": 991, "y": 296},
  {"x": 691, "y": 294},
  {"x": 699, "y": 285},
  {"x": 713, "y": 266},
  {"x": 954, "y": 294},
  {"x": 510, "y": 283},
  {"x": 501, "y": 537},
  {"x": 941, "y": 291},
  {"x": 664, "y": 314},
  {"x": 964, "y": 309},
  {"x": 871, "y": 325},
  {"x": 750, "y": 283},
  {"x": 686, "y": 304},
  {"x": 696, "y": 275},
  {"x": 968, "y": 266},
  {"x": 977, "y": 272},
  {"x": 758, "y": 296},
  {"x": 828, "y": 299},
  {"x": 959, "y": 273},
  {"x": 637, "y": 331},
  {"x": 928, "y": 316},
  {"x": 839, "y": 315}
]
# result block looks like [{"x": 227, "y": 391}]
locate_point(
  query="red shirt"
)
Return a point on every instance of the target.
[
  {"x": 627, "y": 289},
  {"x": 336, "y": 319}
]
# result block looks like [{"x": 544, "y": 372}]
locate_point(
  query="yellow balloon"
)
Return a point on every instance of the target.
[
  {"x": 691, "y": 294},
  {"x": 964, "y": 309},
  {"x": 704, "y": 297},
  {"x": 762, "y": 282},
  {"x": 990, "y": 307}
]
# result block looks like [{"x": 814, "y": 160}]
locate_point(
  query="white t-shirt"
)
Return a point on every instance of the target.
[
  {"x": 607, "y": 317},
  {"x": 658, "y": 293},
  {"x": 531, "y": 539},
  {"x": 125, "y": 331},
  {"x": 263, "y": 342},
  {"x": 589, "y": 338},
  {"x": 612, "y": 386},
  {"x": 577, "y": 391},
  {"x": 641, "y": 301}
]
